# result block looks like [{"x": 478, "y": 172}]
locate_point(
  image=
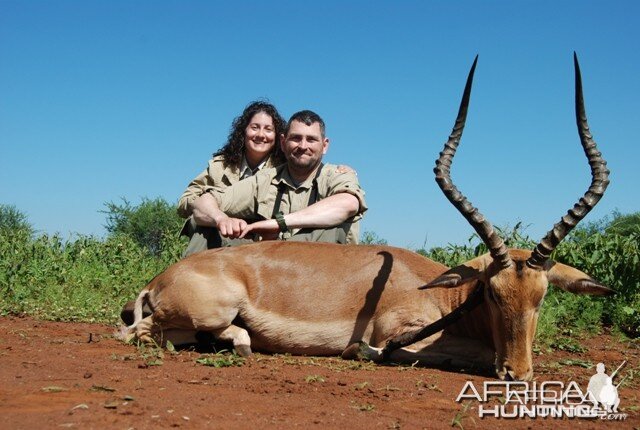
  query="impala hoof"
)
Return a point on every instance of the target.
[
  {"x": 361, "y": 351},
  {"x": 243, "y": 350}
]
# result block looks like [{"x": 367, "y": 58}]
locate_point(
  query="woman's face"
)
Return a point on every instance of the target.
[{"x": 259, "y": 138}]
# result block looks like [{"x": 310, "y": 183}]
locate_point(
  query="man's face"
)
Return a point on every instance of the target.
[{"x": 304, "y": 145}]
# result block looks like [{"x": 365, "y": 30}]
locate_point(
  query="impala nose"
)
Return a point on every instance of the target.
[{"x": 509, "y": 374}]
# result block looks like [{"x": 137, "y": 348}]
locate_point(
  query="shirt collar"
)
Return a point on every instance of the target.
[
  {"x": 245, "y": 170},
  {"x": 285, "y": 177}
]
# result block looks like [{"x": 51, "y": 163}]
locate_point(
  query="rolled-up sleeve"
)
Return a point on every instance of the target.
[
  {"x": 209, "y": 179},
  {"x": 347, "y": 182}
]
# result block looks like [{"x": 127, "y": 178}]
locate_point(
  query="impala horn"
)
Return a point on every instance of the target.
[
  {"x": 599, "y": 183},
  {"x": 482, "y": 226}
]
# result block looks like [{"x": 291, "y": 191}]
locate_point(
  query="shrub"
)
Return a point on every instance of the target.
[
  {"x": 372, "y": 238},
  {"x": 624, "y": 225},
  {"x": 147, "y": 223},
  {"x": 597, "y": 249},
  {"x": 613, "y": 260},
  {"x": 89, "y": 278},
  {"x": 14, "y": 221},
  {"x": 86, "y": 279}
]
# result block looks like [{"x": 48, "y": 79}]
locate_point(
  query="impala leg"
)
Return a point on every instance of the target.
[
  {"x": 145, "y": 330},
  {"x": 237, "y": 335},
  {"x": 438, "y": 359},
  {"x": 454, "y": 353},
  {"x": 362, "y": 351}
]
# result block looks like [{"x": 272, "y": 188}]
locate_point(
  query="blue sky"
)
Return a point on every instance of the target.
[{"x": 107, "y": 99}]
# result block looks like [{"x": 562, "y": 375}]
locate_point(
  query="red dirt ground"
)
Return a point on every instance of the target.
[{"x": 63, "y": 375}]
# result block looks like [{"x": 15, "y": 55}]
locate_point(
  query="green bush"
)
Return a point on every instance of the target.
[
  {"x": 454, "y": 255},
  {"x": 372, "y": 238},
  {"x": 13, "y": 221},
  {"x": 624, "y": 224},
  {"x": 597, "y": 249},
  {"x": 613, "y": 260},
  {"x": 89, "y": 278},
  {"x": 147, "y": 223}
]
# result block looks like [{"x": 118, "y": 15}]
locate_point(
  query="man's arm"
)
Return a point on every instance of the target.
[{"x": 328, "y": 212}]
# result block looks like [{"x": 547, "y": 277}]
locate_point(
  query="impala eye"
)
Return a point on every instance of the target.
[{"x": 492, "y": 296}]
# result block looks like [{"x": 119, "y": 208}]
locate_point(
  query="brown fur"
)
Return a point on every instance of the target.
[{"x": 318, "y": 298}]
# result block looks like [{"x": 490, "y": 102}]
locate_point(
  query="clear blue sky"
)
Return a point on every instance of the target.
[{"x": 107, "y": 99}]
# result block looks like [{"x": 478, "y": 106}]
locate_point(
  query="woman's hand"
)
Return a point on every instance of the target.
[
  {"x": 231, "y": 227},
  {"x": 268, "y": 229}
]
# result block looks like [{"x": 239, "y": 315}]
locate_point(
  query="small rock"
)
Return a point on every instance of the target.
[{"x": 111, "y": 405}]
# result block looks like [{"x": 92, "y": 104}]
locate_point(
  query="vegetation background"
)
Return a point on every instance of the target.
[{"x": 88, "y": 279}]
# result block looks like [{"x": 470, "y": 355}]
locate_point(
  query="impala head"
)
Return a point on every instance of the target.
[{"x": 515, "y": 281}]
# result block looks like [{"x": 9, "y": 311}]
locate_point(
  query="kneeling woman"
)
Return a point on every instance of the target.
[{"x": 251, "y": 146}]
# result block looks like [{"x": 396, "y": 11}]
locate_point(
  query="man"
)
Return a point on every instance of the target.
[{"x": 301, "y": 200}]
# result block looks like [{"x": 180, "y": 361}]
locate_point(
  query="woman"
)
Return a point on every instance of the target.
[{"x": 251, "y": 146}]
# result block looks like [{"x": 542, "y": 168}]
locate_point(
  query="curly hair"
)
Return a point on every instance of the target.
[{"x": 233, "y": 150}]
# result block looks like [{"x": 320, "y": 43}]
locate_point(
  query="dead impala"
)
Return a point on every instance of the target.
[{"x": 327, "y": 299}]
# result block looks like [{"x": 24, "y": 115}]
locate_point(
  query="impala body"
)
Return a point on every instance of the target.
[{"x": 326, "y": 299}]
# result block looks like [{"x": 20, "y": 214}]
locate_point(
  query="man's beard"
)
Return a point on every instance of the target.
[{"x": 304, "y": 165}]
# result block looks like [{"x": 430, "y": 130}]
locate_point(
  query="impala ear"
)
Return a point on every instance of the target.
[
  {"x": 575, "y": 281},
  {"x": 469, "y": 271}
]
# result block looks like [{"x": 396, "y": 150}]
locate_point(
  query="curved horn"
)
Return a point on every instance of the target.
[
  {"x": 443, "y": 177},
  {"x": 599, "y": 183}
]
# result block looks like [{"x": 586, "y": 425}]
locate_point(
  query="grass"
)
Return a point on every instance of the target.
[
  {"x": 361, "y": 386},
  {"x": 312, "y": 379},
  {"x": 420, "y": 384},
  {"x": 152, "y": 355},
  {"x": 364, "y": 407},
  {"x": 461, "y": 415},
  {"x": 221, "y": 359},
  {"x": 88, "y": 279}
]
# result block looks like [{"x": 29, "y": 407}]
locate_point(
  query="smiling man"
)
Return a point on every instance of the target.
[{"x": 302, "y": 200}]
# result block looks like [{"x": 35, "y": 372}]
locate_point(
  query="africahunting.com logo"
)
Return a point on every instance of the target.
[{"x": 548, "y": 399}]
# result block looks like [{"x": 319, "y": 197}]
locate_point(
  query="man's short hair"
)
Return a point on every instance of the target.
[{"x": 306, "y": 117}]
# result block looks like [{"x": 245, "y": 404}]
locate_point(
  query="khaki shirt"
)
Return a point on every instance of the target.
[
  {"x": 255, "y": 198},
  {"x": 215, "y": 176}
]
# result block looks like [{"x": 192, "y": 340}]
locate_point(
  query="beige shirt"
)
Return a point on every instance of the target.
[
  {"x": 215, "y": 176},
  {"x": 255, "y": 198}
]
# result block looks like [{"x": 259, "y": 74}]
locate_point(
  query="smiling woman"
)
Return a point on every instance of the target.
[{"x": 251, "y": 146}]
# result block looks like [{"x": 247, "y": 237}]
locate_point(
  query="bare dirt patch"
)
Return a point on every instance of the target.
[{"x": 63, "y": 375}]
